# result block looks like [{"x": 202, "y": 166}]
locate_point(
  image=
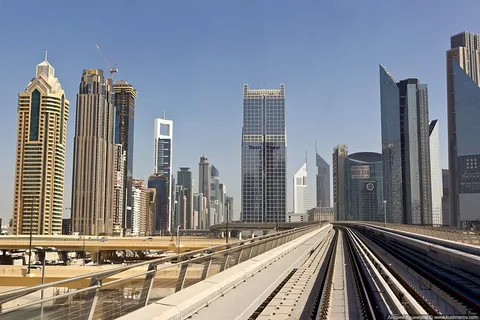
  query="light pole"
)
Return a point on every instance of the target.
[
  {"x": 226, "y": 235},
  {"x": 385, "y": 212},
  {"x": 178, "y": 239},
  {"x": 44, "y": 256}
]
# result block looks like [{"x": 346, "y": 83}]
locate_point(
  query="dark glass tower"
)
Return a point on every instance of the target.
[
  {"x": 264, "y": 155},
  {"x": 125, "y": 96},
  {"x": 184, "y": 179}
]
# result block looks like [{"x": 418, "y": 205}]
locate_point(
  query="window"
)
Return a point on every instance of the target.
[{"x": 34, "y": 115}]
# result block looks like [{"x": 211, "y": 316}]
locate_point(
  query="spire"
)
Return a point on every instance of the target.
[
  {"x": 316, "y": 150},
  {"x": 46, "y": 55},
  {"x": 164, "y": 115}
]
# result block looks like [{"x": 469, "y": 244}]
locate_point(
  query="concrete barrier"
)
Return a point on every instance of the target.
[{"x": 188, "y": 301}]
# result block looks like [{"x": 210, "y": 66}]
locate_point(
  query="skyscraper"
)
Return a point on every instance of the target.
[
  {"x": 184, "y": 178},
  {"x": 140, "y": 207},
  {"x": 340, "y": 152},
  {"x": 323, "y": 182},
  {"x": 435, "y": 174},
  {"x": 215, "y": 195},
  {"x": 125, "y": 96},
  {"x": 300, "y": 192},
  {"x": 363, "y": 187},
  {"x": 40, "y": 160},
  {"x": 161, "y": 221},
  {"x": 463, "y": 103},
  {"x": 446, "y": 197},
  {"x": 94, "y": 155},
  {"x": 231, "y": 212},
  {"x": 264, "y": 147},
  {"x": 119, "y": 190},
  {"x": 204, "y": 177},
  {"x": 406, "y": 150},
  {"x": 163, "y": 161}
]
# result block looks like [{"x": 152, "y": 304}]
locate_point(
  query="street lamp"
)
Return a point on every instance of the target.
[
  {"x": 226, "y": 229},
  {"x": 31, "y": 232},
  {"x": 178, "y": 239},
  {"x": 44, "y": 256},
  {"x": 385, "y": 212}
]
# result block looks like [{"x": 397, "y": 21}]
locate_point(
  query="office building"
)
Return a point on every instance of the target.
[
  {"x": 463, "y": 104},
  {"x": 119, "y": 191},
  {"x": 300, "y": 192},
  {"x": 180, "y": 207},
  {"x": 264, "y": 144},
  {"x": 200, "y": 206},
  {"x": 163, "y": 162},
  {"x": 151, "y": 206},
  {"x": 40, "y": 157},
  {"x": 321, "y": 214},
  {"x": 204, "y": 178},
  {"x": 94, "y": 155},
  {"x": 340, "y": 152},
  {"x": 323, "y": 182},
  {"x": 124, "y": 102},
  {"x": 364, "y": 187},
  {"x": 215, "y": 196},
  {"x": 230, "y": 214},
  {"x": 140, "y": 207},
  {"x": 446, "y": 197},
  {"x": 435, "y": 174},
  {"x": 66, "y": 226},
  {"x": 161, "y": 222},
  {"x": 184, "y": 178},
  {"x": 406, "y": 150},
  {"x": 223, "y": 203}
]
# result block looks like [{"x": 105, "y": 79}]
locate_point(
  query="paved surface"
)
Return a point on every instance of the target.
[{"x": 241, "y": 302}]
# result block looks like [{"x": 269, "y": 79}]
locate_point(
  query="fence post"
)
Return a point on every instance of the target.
[
  {"x": 147, "y": 289},
  {"x": 181, "y": 276},
  {"x": 223, "y": 266},
  {"x": 240, "y": 256},
  {"x": 92, "y": 296},
  {"x": 206, "y": 268}
]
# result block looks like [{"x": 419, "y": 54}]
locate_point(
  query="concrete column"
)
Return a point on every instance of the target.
[{"x": 240, "y": 235}]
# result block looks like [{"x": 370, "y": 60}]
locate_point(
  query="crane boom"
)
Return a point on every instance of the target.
[{"x": 111, "y": 70}]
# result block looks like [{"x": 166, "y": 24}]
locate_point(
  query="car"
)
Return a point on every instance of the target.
[{"x": 35, "y": 267}]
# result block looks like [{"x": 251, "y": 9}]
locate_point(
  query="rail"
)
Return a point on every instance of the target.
[{"x": 101, "y": 297}]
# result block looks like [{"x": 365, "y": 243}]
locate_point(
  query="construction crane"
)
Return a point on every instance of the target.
[{"x": 111, "y": 70}]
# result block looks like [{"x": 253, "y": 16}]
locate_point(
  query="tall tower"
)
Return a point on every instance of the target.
[
  {"x": 94, "y": 155},
  {"x": 340, "y": 153},
  {"x": 463, "y": 103},
  {"x": 40, "y": 160},
  {"x": 119, "y": 190},
  {"x": 436, "y": 173},
  {"x": 406, "y": 150},
  {"x": 204, "y": 177},
  {"x": 163, "y": 160},
  {"x": 125, "y": 95},
  {"x": 184, "y": 178},
  {"x": 300, "y": 192},
  {"x": 323, "y": 182},
  {"x": 215, "y": 196},
  {"x": 264, "y": 144}
]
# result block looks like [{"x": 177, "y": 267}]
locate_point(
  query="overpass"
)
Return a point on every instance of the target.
[
  {"x": 340, "y": 271},
  {"x": 250, "y": 226}
]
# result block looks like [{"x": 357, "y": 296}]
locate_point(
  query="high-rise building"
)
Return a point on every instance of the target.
[
  {"x": 435, "y": 174},
  {"x": 230, "y": 215},
  {"x": 323, "y": 182},
  {"x": 264, "y": 144},
  {"x": 463, "y": 103},
  {"x": 184, "y": 178},
  {"x": 204, "y": 178},
  {"x": 340, "y": 152},
  {"x": 180, "y": 207},
  {"x": 223, "y": 203},
  {"x": 125, "y": 95},
  {"x": 140, "y": 207},
  {"x": 364, "y": 187},
  {"x": 300, "y": 192},
  {"x": 161, "y": 221},
  {"x": 215, "y": 195},
  {"x": 119, "y": 191},
  {"x": 163, "y": 162},
  {"x": 66, "y": 226},
  {"x": 151, "y": 207},
  {"x": 445, "y": 197},
  {"x": 406, "y": 150},
  {"x": 94, "y": 155},
  {"x": 200, "y": 203},
  {"x": 40, "y": 158}
]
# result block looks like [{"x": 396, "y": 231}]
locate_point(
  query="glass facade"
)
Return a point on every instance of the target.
[
  {"x": 364, "y": 187},
  {"x": 467, "y": 113},
  {"x": 34, "y": 115},
  {"x": 263, "y": 155},
  {"x": 161, "y": 220},
  {"x": 323, "y": 182}
]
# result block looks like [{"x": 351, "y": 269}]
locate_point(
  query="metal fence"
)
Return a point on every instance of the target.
[
  {"x": 452, "y": 234},
  {"x": 112, "y": 293}
]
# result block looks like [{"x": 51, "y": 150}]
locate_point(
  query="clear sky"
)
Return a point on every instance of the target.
[{"x": 191, "y": 58}]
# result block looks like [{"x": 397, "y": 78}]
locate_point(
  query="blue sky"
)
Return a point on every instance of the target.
[{"x": 191, "y": 58}]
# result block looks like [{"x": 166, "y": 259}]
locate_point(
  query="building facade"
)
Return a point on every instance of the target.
[
  {"x": 406, "y": 150},
  {"x": 463, "y": 104},
  {"x": 321, "y": 214},
  {"x": 215, "y": 196},
  {"x": 323, "y": 182},
  {"x": 204, "y": 178},
  {"x": 340, "y": 153},
  {"x": 140, "y": 207},
  {"x": 264, "y": 144},
  {"x": 119, "y": 191},
  {"x": 94, "y": 156},
  {"x": 436, "y": 174},
  {"x": 200, "y": 206},
  {"x": 364, "y": 187},
  {"x": 124, "y": 102},
  {"x": 151, "y": 210},
  {"x": 161, "y": 222},
  {"x": 300, "y": 191},
  {"x": 164, "y": 163},
  {"x": 446, "y": 197},
  {"x": 40, "y": 157},
  {"x": 184, "y": 178}
]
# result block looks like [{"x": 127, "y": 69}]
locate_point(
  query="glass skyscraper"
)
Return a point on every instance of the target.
[
  {"x": 264, "y": 155},
  {"x": 406, "y": 150},
  {"x": 364, "y": 187}
]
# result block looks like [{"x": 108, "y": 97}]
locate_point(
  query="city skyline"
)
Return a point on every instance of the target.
[{"x": 69, "y": 75}]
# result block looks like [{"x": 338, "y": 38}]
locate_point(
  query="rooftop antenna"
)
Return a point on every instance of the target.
[
  {"x": 316, "y": 150},
  {"x": 164, "y": 115},
  {"x": 46, "y": 55},
  {"x": 111, "y": 70}
]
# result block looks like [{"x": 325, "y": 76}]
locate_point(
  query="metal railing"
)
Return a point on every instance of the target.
[
  {"x": 452, "y": 234},
  {"x": 115, "y": 292}
]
